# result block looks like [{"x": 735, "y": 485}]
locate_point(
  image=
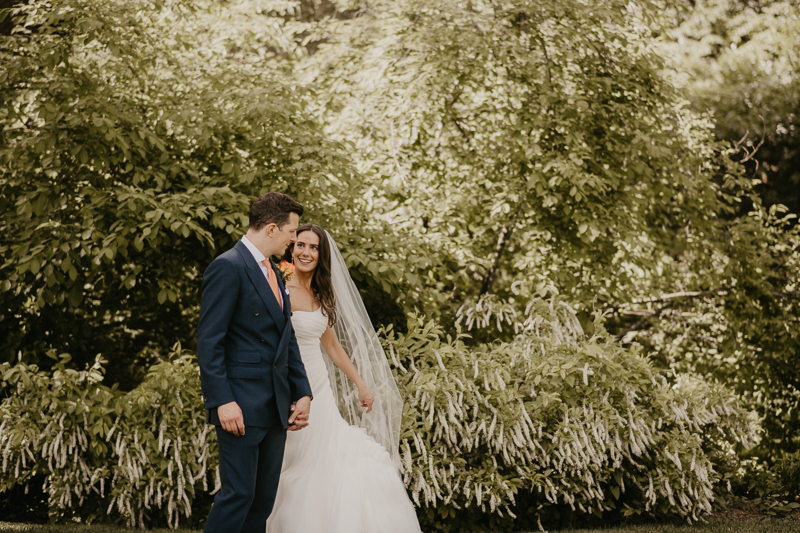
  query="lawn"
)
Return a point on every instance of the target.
[
  {"x": 715, "y": 526},
  {"x": 10, "y": 527}
]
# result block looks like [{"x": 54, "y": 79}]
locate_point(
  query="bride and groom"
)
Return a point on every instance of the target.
[{"x": 266, "y": 349}]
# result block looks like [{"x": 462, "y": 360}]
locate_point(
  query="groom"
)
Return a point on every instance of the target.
[{"x": 254, "y": 383}]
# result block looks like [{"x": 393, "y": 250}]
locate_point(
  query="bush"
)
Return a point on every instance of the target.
[
  {"x": 771, "y": 490},
  {"x": 143, "y": 457},
  {"x": 554, "y": 426},
  {"x": 787, "y": 473},
  {"x": 550, "y": 425}
]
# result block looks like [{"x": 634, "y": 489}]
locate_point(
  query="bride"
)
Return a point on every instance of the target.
[{"x": 340, "y": 476}]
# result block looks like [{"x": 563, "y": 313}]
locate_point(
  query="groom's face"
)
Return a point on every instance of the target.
[{"x": 284, "y": 235}]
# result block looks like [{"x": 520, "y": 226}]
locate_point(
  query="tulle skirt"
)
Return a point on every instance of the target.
[{"x": 335, "y": 478}]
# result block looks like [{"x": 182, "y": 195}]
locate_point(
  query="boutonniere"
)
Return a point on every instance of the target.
[{"x": 287, "y": 270}]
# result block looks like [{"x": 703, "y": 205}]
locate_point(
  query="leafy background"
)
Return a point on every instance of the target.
[{"x": 634, "y": 162}]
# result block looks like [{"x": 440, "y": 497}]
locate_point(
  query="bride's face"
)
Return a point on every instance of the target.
[{"x": 306, "y": 251}]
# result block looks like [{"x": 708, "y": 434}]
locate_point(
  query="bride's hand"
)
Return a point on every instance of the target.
[{"x": 365, "y": 398}]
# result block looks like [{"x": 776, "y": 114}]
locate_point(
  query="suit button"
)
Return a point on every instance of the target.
[
  {"x": 255, "y": 313},
  {"x": 274, "y": 366},
  {"x": 263, "y": 341}
]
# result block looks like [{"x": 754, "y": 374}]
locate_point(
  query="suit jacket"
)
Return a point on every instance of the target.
[{"x": 246, "y": 345}]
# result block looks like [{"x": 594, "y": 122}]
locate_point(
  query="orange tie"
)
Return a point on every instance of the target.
[{"x": 273, "y": 281}]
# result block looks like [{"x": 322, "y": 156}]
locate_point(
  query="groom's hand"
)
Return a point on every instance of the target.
[
  {"x": 231, "y": 419},
  {"x": 300, "y": 410}
]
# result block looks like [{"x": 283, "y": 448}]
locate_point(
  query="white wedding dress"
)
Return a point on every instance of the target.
[{"x": 335, "y": 478}]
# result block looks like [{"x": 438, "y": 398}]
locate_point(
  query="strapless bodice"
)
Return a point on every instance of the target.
[
  {"x": 308, "y": 328},
  {"x": 309, "y": 325}
]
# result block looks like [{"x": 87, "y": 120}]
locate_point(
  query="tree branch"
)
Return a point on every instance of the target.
[
  {"x": 611, "y": 309},
  {"x": 791, "y": 295},
  {"x": 541, "y": 42},
  {"x": 639, "y": 323},
  {"x": 721, "y": 291},
  {"x": 647, "y": 314},
  {"x": 740, "y": 145}
]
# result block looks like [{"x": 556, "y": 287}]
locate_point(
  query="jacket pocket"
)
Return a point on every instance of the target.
[
  {"x": 244, "y": 371},
  {"x": 247, "y": 357}
]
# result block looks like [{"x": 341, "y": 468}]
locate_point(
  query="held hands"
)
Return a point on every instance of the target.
[
  {"x": 365, "y": 397},
  {"x": 300, "y": 411},
  {"x": 231, "y": 419}
]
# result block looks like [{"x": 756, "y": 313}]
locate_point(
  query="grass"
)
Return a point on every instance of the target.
[
  {"x": 714, "y": 526},
  {"x": 9, "y": 527}
]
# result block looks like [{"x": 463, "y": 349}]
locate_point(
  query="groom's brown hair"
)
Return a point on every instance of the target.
[{"x": 273, "y": 208}]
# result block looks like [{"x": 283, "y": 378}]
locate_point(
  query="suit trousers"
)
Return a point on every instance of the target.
[{"x": 250, "y": 468}]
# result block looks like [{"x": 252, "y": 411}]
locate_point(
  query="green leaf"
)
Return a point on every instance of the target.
[{"x": 75, "y": 296}]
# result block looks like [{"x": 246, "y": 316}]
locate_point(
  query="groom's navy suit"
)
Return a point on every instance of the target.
[{"x": 248, "y": 353}]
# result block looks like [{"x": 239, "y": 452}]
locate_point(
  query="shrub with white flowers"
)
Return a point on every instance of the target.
[
  {"x": 140, "y": 457},
  {"x": 495, "y": 436},
  {"x": 518, "y": 431}
]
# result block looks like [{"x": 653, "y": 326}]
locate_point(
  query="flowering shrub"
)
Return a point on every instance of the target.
[
  {"x": 493, "y": 434},
  {"x": 142, "y": 457},
  {"x": 518, "y": 431}
]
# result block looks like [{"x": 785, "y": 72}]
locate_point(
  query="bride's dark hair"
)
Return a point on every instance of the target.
[{"x": 321, "y": 281}]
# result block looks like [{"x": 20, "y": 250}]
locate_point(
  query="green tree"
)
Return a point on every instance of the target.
[
  {"x": 468, "y": 158},
  {"x": 131, "y": 145},
  {"x": 546, "y": 149},
  {"x": 529, "y": 143},
  {"x": 738, "y": 60}
]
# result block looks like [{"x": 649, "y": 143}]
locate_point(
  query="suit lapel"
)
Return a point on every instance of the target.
[
  {"x": 287, "y": 306},
  {"x": 263, "y": 289}
]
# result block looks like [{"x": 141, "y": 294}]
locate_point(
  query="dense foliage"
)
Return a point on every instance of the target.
[
  {"x": 127, "y": 164},
  {"x": 739, "y": 324},
  {"x": 738, "y": 60},
  {"x": 523, "y": 431},
  {"x": 469, "y": 159},
  {"x": 530, "y": 433},
  {"x": 555, "y": 155},
  {"x": 546, "y": 149},
  {"x": 144, "y": 457}
]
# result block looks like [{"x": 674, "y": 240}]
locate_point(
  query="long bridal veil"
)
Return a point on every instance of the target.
[{"x": 354, "y": 331}]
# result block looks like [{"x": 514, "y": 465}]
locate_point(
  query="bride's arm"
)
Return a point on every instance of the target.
[{"x": 340, "y": 359}]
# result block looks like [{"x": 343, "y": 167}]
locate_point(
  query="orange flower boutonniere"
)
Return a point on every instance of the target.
[{"x": 287, "y": 270}]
